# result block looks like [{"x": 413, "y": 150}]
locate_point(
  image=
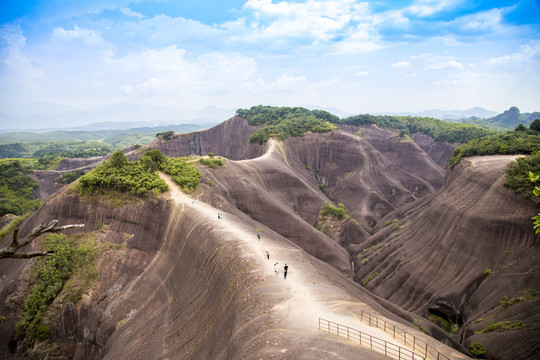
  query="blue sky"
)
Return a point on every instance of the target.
[{"x": 356, "y": 56}]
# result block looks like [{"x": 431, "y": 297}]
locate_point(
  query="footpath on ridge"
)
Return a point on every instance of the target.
[{"x": 308, "y": 294}]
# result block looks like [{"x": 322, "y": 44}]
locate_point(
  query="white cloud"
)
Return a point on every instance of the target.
[
  {"x": 401, "y": 64},
  {"x": 525, "y": 54},
  {"x": 488, "y": 20},
  {"x": 344, "y": 23},
  {"x": 449, "y": 64},
  {"x": 88, "y": 36},
  {"x": 425, "y": 8},
  {"x": 361, "y": 73},
  {"x": 130, "y": 13}
]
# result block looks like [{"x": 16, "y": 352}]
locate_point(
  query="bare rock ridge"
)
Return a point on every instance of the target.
[
  {"x": 191, "y": 286},
  {"x": 419, "y": 239}
]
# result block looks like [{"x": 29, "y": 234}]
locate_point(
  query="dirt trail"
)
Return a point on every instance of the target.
[{"x": 308, "y": 294}]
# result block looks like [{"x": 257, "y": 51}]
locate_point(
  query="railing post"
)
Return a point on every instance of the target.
[
  {"x": 414, "y": 343},
  {"x": 426, "y": 351},
  {"x": 338, "y": 329},
  {"x": 394, "y": 331},
  {"x": 361, "y": 315},
  {"x": 348, "y": 333}
]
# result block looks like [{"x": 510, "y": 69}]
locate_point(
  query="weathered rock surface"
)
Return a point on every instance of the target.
[
  {"x": 457, "y": 253},
  {"x": 421, "y": 246}
]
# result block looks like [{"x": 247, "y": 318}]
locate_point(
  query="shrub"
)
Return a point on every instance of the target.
[
  {"x": 517, "y": 172},
  {"x": 166, "y": 135},
  {"x": 340, "y": 212},
  {"x": 212, "y": 163},
  {"x": 119, "y": 174},
  {"x": 184, "y": 173},
  {"x": 68, "y": 178},
  {"x": 478, "y": 350}
]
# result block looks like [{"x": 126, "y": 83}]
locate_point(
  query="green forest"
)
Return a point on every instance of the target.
[
  {"x": 16, "y": 188},
  {"x": 281, "y": 122},
  {"x": 519, "y": 141}
]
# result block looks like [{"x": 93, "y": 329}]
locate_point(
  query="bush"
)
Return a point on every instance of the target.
[
  {"x": 68, "y": 178},
  {"x": 508, "y": 143},
  {"x": 50, "y": 274},
  {"x": 518, "y": 174},
  {"x": 166, "y": 135},
  {"x": 339, "y": 212},
  {"x": 118, "y": 174},
  {"x": 212, "y": 163},
  {"x": 184, "y": 173},
  {"x": 478, "y": 350}
]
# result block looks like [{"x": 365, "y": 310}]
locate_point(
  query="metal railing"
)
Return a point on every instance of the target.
[
  {"x": 374, "y": 343},
  {"x": 418, "y": 346}
]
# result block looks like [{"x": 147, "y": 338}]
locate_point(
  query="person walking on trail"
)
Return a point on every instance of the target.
[
  {"x": 267, "y": 254},
  {"x": 259, "y": 235},
  {"x": 285, "y": 269},
  {"x": 276, "y": 268}
]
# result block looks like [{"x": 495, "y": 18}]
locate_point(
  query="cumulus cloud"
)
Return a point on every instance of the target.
[{"x": 401, "y": 64}]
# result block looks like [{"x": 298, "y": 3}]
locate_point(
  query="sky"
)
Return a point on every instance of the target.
[{"x": 355, "y": 56}]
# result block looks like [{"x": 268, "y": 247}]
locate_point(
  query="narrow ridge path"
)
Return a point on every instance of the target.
[{"x": 308, "y": 294}]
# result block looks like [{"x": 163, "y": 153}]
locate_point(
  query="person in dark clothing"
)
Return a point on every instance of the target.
[
  {"x": 259, "y": 235},
  {"x": 285, "y": 269}
]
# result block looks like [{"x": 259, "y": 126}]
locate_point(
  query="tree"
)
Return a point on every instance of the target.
[
  {"x": 118, "y": 160},
  {"x": 11, "y": 250},
  {"x": 520, "y": 127},
  {"x": 535, "y": 125},
  {"x": 535, "y": 179}
]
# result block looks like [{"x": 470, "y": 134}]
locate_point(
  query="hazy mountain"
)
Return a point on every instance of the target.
[
  {"x": 39, "y": 117},
  {"x": 449, "y": 115}
]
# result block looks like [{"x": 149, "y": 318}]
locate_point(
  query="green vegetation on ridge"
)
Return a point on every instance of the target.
[
  {"x": 507, "y": 143},
  {"x": 140, "y": 177},
  {"x": 16, "y": 188},
  {"x": 284, "y": 121}
]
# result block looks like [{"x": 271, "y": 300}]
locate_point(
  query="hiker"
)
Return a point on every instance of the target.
[
  {"x": 267, "y": 253},
  {"x": 259, "y": 235},
  {"x": 285, "y": 269},
  {"x": 276, "y": 268}
]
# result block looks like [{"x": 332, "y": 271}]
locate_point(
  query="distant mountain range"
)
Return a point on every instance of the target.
[
  {"x": 44, "y": 117},
  {"x": 39, "y": 117},
  {"x": 449, "y": 115}
]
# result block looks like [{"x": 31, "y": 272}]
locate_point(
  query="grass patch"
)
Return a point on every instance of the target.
[
  {"x": 8, "y": 229},
  {"x": 369, "y": 278},
  {"x": 503, "y": 326},
  {"x": 527, "y": 295},
  {"x": 213, "y": 163}
]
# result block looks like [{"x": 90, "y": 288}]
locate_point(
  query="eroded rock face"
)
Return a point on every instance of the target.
[
  {"x": 458, "y": 252},
  {"x": 229, "y": 139}
]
